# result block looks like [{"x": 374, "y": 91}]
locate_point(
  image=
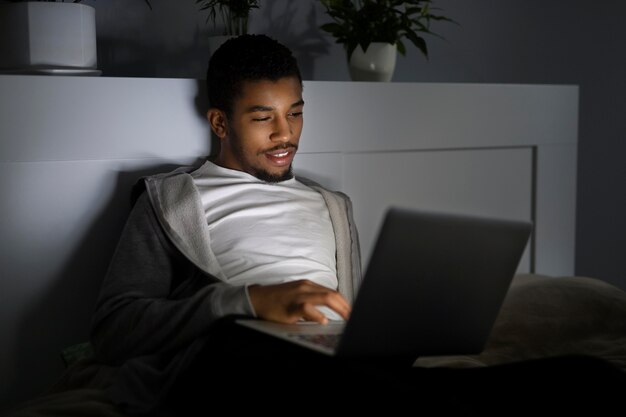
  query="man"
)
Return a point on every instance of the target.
[
  {"x": 242, "y": 236},
  {"x": 238, "y": 236}
]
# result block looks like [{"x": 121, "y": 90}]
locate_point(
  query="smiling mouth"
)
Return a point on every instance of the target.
[{"x": 282, "y": 156}]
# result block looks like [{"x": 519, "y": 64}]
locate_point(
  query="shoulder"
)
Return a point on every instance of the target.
[
  {"x": 177, "y": 180},
  {"x": 179, "y": 171},
  {"x": 163, "y": 192}
]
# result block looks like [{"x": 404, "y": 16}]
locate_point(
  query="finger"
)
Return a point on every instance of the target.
[
  {"x": 340, "y": 305},
  {"x": 332, "y": 300},
  {"x": 335, "y": 301},
  {"x": 317, "y": 294},
  {"x": 309, "y": 286},
  {"x": 310, "y": 313},
  {"x": 312, "y": 293}
]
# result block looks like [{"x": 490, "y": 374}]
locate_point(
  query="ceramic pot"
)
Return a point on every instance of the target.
[
  {"x": 376, "y": 64},
  {"x": 47, "y": 35}
]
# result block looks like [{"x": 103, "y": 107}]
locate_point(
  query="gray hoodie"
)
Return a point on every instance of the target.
[{"x": 161, "y": 292}]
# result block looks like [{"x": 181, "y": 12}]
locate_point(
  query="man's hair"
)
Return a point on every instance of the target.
[{"x": 246, "y": 58}]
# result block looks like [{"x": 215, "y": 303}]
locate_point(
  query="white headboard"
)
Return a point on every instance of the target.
[{"x": 71, "y": 147}]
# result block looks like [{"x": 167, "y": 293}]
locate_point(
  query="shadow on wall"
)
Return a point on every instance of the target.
[
  {"x": 202, "y": 106},
  {"x": 122, "y": 57},
  {"x": 185, "y": 54},
  {"x": 307, "y": 44}
]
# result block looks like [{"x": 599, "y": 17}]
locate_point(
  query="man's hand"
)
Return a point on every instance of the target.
[{"x": 291, "y": 301}]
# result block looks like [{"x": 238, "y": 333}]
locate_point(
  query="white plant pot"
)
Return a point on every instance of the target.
[
  {"x": 47, "y": 36},
  {"x": 376, "y": 64}
]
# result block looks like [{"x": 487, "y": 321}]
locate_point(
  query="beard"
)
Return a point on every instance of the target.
[
  {"x": 263, "y": 175},
  {"x": 260, "y": 173}
]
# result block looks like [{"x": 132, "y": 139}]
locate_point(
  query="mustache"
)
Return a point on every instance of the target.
[{"x": 280, "y": 147}]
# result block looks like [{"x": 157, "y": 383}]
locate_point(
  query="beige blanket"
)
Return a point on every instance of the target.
[
  {"x": 545, "y": 316},
  {"x": 540, "y": 317}
]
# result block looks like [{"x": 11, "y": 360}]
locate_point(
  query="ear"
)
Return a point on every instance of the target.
[{"x": 217, "y": 120}]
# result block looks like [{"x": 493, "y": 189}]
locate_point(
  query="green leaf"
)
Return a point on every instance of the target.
[
  {"x": 332, "y": 27},
  {"x": 419, "y": 42},
  {"x": 360, "y": 22},
  {"x": 401, "y": 47}
]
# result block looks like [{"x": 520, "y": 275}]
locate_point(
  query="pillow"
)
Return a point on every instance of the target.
[{"x": 545, "y": 316}]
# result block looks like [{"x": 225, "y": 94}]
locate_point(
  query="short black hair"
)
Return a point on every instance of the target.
[{"x": 246, "y": 58}]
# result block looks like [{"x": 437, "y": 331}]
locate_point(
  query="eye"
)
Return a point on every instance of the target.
[
  {"x": 261, "y": 119},
  {"x": 295, "y": 114}
]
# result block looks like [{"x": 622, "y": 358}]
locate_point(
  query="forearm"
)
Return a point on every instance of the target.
[{"x": 137, "y": 326}]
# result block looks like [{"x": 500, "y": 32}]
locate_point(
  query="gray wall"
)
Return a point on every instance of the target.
[{"x": 512, "y": 41}]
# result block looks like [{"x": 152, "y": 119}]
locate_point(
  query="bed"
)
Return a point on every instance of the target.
[{"x": 541, "y": 317}]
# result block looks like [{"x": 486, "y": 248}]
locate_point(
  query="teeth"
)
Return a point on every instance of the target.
[{"x": 280, "y": 155}]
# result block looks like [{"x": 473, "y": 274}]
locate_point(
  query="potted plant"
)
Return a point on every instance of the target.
[
  {"x": 48, "y": 37},
  {"x": 373, "y": 30},
  {"x": 233, "y": 14}
]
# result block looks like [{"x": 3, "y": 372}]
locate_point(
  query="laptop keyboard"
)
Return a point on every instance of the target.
[{"x": 327, "y": 340}]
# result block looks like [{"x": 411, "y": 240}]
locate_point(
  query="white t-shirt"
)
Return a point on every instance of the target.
[{"x": 267, "y": 233}]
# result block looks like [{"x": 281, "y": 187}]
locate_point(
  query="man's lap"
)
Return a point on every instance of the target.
[{"x": 241, "y": 367}]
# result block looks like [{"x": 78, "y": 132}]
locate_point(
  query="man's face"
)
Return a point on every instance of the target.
[{"x": 263, "y": 132}]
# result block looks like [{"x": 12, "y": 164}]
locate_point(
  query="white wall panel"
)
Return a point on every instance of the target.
[
  {"x": 83, "y": 118},
  {"x": 361, "y": 116},
  {"x": 556, "y": 209},
  {"x": 486, "y": 182}
]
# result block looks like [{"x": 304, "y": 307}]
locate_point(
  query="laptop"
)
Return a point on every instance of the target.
[{"x": 434, "y": 285}]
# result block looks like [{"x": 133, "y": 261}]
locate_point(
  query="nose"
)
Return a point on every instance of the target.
[{"x": 281, "y": 131}]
